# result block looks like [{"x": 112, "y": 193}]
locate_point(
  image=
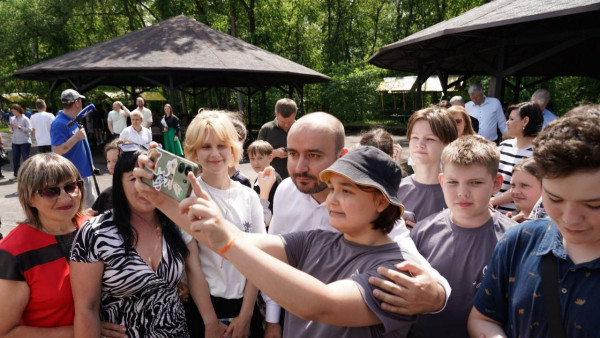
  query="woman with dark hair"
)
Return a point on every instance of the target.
[
  {"x": 21, "y": 139},
  {"x": 172, "y": 134},
  {"x": 524, "y": 123},
  {"x": 126, "y": 264}
]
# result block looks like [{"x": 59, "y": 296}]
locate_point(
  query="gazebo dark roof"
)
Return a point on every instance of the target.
[
  {"x": 503, "y": 38},
  {"x": 179, "y": 52}
]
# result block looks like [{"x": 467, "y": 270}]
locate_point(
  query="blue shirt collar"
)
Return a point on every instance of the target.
[{"x": 552, "y": 240}]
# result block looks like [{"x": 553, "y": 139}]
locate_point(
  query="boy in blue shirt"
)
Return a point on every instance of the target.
[{"x": 568, "y": 154}]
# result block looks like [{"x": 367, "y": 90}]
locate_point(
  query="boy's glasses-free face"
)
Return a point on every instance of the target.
[{"x": 71, "y": 188}]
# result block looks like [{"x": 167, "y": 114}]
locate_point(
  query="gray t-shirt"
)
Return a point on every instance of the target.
[
  {"x": 422, "y": 199},
  {"x": 328, "y": 257},
  {"x": 461, "y": 255}
]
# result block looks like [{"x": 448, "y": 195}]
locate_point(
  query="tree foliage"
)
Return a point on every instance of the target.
[{"x": 335, "y": 37}]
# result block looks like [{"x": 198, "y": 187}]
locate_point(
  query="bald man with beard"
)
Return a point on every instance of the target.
[{"x": 315, "y": 142}]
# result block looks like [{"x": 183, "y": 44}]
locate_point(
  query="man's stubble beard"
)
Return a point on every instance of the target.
[{"x": 313, "y": 189}]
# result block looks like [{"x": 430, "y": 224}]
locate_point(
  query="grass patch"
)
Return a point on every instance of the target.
[{"x": 4, "y": 129}]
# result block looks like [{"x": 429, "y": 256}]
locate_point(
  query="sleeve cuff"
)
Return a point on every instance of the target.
[{"x": 273, "y": 310}]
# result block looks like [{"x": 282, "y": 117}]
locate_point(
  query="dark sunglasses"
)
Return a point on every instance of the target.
[{"x": 53, "y": 192}]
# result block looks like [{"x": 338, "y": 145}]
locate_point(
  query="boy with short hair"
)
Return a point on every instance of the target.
[
  {"x": 459, "y": 241},
  {"x": 568, "y": 155},
  {"x": 260, "y": 154}
]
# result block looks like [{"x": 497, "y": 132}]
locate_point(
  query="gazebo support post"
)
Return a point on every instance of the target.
[
  {"x": 263, "y": 103},
  {"x": 249, "y": 95},
  {"x": 517, "y": 88},
  {"x": 171, "y": 90}
]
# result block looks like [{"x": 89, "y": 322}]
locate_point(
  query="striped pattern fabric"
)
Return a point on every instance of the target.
[
  {"x": 132, "y": 294},
  {"x": 510, "y": 155}
]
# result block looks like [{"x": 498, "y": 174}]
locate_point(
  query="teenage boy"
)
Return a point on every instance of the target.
[
  {"x": 551, "y": 263},
  {"x": 260, "y": 154},
  {"x": 465, "y": 233}
]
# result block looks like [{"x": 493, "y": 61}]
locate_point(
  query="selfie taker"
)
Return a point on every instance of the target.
[{"x": 328, "y": 271}]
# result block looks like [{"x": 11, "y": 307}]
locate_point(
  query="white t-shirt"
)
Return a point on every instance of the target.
[
  {"x": 146, "y": 116},
  {"x": 296, "y": 211},
  {"x": 41, "y": 122},
  {"x": 143, "y": 137},
  {"x": 240, "y": 205},
  {"x": 119, "y": 120}
]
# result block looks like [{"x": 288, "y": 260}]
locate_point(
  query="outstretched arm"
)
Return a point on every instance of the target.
[{"x": 338, "y": 303}]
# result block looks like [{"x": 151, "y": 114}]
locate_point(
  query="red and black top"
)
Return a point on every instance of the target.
[{"x": 41, "y": 260}]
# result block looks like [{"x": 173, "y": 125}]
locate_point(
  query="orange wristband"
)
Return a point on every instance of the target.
[{"x": 227, "y": 247}]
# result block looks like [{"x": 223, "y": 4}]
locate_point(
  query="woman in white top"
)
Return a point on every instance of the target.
[
  {"x": 135, "y": 132},
  {"x": 524, "y": 123}
]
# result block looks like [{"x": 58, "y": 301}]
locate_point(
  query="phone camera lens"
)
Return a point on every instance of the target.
[
  {"x": 187, "y": 169},
  {"x": 181, "y": 167}
]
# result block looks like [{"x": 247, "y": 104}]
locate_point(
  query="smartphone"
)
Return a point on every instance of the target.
[
  {"x": 409, "y": 216},
  {"x": 170, "y": 174}
]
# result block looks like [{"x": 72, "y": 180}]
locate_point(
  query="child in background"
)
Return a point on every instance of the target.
[
  {"x": 429, "y": 131},
  {"x": 111, "y": 152},
  {"x": 260, "y": 154},
  {"x": 240, "y": 128},
  {"x": 466, "y": 232},
  {"x": 525, "y": 188}
]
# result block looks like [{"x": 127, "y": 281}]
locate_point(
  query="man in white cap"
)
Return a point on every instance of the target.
[{"x": 71, "y": 142}]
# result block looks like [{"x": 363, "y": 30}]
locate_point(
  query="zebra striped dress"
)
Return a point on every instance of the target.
[
  {"x": 510, "y": 155},
  {"x": 132, "y": 294}
]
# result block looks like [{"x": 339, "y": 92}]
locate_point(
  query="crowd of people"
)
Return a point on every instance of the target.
[{"x": 492, "y": 229}]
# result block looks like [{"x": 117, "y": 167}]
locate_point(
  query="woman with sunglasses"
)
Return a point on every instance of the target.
[
  {"x": 463, "y": 120},
  {"x": 34, "y": 269},
  {"x": 126, "y": 264}
]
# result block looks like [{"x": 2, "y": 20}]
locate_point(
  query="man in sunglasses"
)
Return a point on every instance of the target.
[{"x": 71, "y": 142}]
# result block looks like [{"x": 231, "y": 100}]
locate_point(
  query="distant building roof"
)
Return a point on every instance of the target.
[
  {"x": 403, "y": 84},
  {"x": 19, "y": 97}
]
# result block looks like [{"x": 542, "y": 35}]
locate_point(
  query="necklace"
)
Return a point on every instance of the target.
[{"x": 157, "y": 239}]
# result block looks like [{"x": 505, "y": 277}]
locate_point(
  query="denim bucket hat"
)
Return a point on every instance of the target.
[{"x": 369, "y": 166}]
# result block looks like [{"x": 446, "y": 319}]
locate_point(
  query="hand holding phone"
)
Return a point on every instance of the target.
[{"x": 170, "y": 174}]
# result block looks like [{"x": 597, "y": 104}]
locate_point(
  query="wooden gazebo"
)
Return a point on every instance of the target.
[{"x": 503, "y": 38}]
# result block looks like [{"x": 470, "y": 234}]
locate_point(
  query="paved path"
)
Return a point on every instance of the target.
[{"x": 10, "y": 209}]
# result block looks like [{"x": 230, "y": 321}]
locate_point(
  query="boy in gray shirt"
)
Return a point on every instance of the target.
[{"x": 460, "y": 240}]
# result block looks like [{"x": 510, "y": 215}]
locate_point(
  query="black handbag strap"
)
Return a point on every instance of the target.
[{"x": 550, "y": 284}]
